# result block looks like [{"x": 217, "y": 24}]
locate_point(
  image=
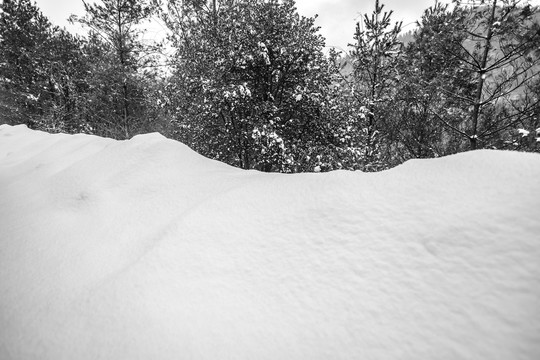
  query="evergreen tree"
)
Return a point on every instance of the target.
[
  {"x": 42, "y": 70},
  {"x": 67, "y": 85},
  {"x": 469, "y": 70},
  {"x": 24, "y": 35},
  {"x": 432, "y": 86},
  {"x": 375, "y": 55},
  {"x": 122, "y": 66},
  {"x": 498, "y": 40},
  {"x": 503, "y": 36},
  {"x": 250, "y": 82}
]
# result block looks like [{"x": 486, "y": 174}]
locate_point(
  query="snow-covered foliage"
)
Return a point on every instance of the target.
[
  {"x": 61, "y": 82},
  {"x": 250, "y": 82},
  {"x": 375, "y": 53},
  {"x": 254, "y": 81},
  {"x": 143, "y": 249}
]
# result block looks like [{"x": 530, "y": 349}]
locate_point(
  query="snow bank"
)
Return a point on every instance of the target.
[{"x": 142, "y": 249}]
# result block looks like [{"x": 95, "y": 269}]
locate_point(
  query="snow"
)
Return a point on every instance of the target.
[{"x": 142, "y": 249}]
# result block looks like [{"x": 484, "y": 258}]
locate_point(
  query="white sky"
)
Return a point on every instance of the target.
[{"x": 337, "y": 18}]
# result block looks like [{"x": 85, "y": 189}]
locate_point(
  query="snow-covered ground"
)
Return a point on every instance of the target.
[{"x": 143, "y": 249}]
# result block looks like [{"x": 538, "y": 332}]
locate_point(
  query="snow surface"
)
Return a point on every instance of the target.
[{"x": 143, "y": 249}]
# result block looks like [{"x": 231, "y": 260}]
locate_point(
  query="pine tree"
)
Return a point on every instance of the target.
[
  {"x": 432, "y": 86},
  {"x": 250, "y": 82},
  {"x": 42, "y": 70},
  {"x": 469, "y": 69},
  {"x": 375, "y": 55},
  {"x": 24, "y": 35},
  {"x": 498, "y": 40},
  {"x": 123, "y": 57}
]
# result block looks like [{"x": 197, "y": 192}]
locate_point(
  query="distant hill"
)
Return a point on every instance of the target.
[
  {"x": 346, "y": 65},
  {"x": 406, "y": 37}
]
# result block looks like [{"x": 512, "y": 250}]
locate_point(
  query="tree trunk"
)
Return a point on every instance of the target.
[
  {"x": 473, "y": 138},
  {"x": 126, "y": 111}
]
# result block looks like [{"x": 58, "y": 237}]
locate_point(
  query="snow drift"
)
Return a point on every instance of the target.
[{"x": 143, "y": 249}]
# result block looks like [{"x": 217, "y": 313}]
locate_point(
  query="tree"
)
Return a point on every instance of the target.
[
  {"x": 42, "y": 69},
  {"x": 375, "y": 56},
  {"x": 250, "y": 82},
  {"x": 527, "y": 134},
  {"x": 124, "y": 59},
  {"x": 24, "y": 35},
  {"x": 67, "y": 85},
  {"x": 503, "y": 39},
  {"x": 497, "y": 39},
  {"x": 467, "y": 78},
  {"x": 432, "y": 83}
]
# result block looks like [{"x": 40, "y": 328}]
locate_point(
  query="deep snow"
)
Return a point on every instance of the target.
[{"x": 143, "y": 249}]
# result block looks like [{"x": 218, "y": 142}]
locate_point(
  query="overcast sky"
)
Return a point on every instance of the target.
[{"x": 337, "y": 18}]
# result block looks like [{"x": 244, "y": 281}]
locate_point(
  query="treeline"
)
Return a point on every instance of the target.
[{"x": 249, "y": 82}]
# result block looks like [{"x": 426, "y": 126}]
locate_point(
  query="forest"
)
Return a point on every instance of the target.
[{"x": 251, "y": 83}]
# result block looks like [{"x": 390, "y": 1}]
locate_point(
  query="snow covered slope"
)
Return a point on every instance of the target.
[{"x": 142, "y": 249}]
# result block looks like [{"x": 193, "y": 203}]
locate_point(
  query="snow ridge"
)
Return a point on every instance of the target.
[{"x": 143, "y": 249}]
